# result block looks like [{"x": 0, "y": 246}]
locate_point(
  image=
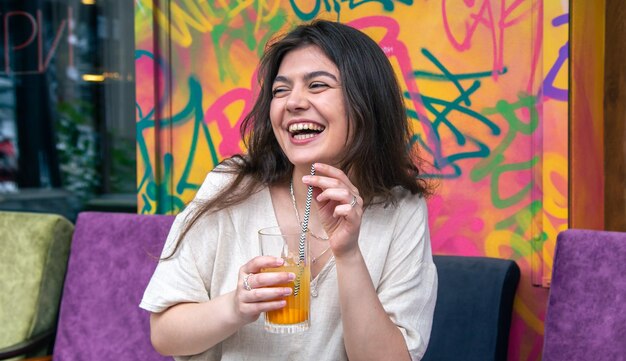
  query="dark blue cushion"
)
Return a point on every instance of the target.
[{"x": 474, "y": 307}]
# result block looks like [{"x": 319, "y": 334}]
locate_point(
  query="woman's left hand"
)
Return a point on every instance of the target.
[{"x": 339, "y": 206}]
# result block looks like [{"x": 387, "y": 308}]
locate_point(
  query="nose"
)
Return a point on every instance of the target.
[{"x": 297, "y": 101}]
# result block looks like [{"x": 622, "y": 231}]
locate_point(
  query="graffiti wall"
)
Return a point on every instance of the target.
[{"x": 485, "y": 84}]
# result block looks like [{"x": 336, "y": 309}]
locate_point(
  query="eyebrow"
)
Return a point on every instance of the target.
[{"x": 307, "y": 76}]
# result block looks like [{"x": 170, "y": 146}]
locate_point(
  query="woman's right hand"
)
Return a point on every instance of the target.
[
  {"x": 183, "y": 328},
  {"x": 259, "y": 292}
]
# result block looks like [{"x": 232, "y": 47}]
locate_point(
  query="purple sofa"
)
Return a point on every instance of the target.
[
  {"x": 586, "y": 314},
  {"x": 112, "y": 257}
]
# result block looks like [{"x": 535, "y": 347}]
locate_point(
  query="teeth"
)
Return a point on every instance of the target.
[
  {"x": 304, "y": 136},
  {"x": 305, "y": 126}
]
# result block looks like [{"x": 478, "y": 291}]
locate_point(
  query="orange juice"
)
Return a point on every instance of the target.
[
  {"x": 297, "y": 309},
  {"x": 293, "y": 248}
]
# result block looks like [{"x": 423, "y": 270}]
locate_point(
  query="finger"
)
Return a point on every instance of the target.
[
  {"x": 347, "y": 211},
  {"x": 254, "y": 309},
  {"x": 339, "y": 195},
  {"x": 329, "y": 171},
  {"x": 326, "y": 183},
  {"x": 256, "y": 264},
  {"x": 269, "y": 279},
  {"x": 334, "y": 173},
  {"x": 323, "y": 182},
  {"x": 265, "y": 294},
  {"x": 350, "y": 206}
]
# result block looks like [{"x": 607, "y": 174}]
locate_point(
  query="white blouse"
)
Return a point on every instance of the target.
[{"x": 395, "y": 244}]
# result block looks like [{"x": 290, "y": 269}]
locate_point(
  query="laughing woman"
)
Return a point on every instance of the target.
[{"x": 328, "y": 99}]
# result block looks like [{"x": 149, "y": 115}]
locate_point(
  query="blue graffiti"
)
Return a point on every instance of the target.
[
  {"x": 388, "y": 5},
  {"x": 442, "y": 109}
]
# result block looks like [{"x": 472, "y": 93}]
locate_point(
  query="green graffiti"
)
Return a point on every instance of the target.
[
  {"x": 224, "y": 35},
  {"x": 522, "y": 221},
  {"x": 508, "y": 112},
  {"x": 500, "y": 169},
  {"x": 157, "y": 182},
  {"x": 161, "y": 192},
  {"x": 496, "y": 166}
]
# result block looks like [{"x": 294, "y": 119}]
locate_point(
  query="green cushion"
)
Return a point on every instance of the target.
[{"x": 33, "y": 260}]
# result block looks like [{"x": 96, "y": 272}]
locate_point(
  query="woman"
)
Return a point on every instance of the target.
[{"x": 328, "y": 98}]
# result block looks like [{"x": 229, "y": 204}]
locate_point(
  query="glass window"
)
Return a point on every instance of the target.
[{"x": 67, "y": 127}]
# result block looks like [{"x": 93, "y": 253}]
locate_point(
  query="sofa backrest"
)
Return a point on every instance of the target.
[
  {"x": 586, "y": 313},
  {"x": 33, "y": 260},
  {"x": 112, "y": 258},
  {"x": 474, "y": 308}
]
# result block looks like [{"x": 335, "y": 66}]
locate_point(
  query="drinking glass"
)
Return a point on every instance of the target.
[{"x": 294, "y": 317}]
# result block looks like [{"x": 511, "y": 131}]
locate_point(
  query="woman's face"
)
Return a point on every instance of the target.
[{"x": 307, "y": 111}]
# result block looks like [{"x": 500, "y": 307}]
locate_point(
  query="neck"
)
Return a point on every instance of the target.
[
  {"x": 298, "y": 192},
  {"x": 299, "y": 188},
  {"x": 300, "y": 219}
]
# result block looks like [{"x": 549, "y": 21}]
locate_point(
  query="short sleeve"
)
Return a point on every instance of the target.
[
  {"x": 177, "y": 277},
  {"x": 408, "y": 287}
]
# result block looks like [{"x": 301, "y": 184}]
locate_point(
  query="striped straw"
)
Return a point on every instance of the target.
[{"x": 305, "y": 229}]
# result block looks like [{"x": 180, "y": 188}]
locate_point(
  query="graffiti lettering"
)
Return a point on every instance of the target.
[
  {"x": 388, "y": 5},
  {"x": 494, "y": 164},
  {"x": 205, "y": 16},
  {"x": 224, "y": 35},
  {"x": 250, "y": 22},
  {"x": 157, "y": 187},
  {"x": 216, "y": 113},
  {"x": 529, "y": 242},
  {"x": 486, "y": 16},
  {"x": 549, "y": 89},
  {"x": 442, "y": 109},
  {"x": 396, "y": 49},
  {"x": 455, "y": 225}
]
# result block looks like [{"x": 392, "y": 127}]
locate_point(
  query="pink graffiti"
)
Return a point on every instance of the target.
[
  {"x": 393, "y": 47},
  {"x": 536, "y": 48},
  {"x": 449, "y": 222},
  {"x": 217, "y": 113},
  {"x": 495, "y": 22},
  {"x": 152, "y": 86},
  {"x": 390, "y": 44}
]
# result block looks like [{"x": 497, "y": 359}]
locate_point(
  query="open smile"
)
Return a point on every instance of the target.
[{"x": 305, "y": 130}]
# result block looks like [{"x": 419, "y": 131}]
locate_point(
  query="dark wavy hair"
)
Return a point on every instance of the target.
[{"x": 379, "y": 156}]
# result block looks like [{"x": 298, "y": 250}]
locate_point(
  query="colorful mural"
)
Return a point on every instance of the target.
[{"x": 485, "y": 83}]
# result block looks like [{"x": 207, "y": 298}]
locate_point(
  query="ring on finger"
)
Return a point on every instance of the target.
[
  {"x": 353, "y": 202},
  {"x": 246, "y": 282}
]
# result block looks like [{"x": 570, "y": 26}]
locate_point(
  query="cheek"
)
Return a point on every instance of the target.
[
  {"x": 275, "y": 112},
  {"x": 334, "y": 105}
]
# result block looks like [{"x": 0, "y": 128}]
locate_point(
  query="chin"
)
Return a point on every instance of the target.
[
  {"x": 310, "y": 160},
  {"x": 303, "y": 162}
]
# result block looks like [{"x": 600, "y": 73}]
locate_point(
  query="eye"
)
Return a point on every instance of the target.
[
  {"x": 279, "y": 92},
  {"x": 317, "y": 85}
]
